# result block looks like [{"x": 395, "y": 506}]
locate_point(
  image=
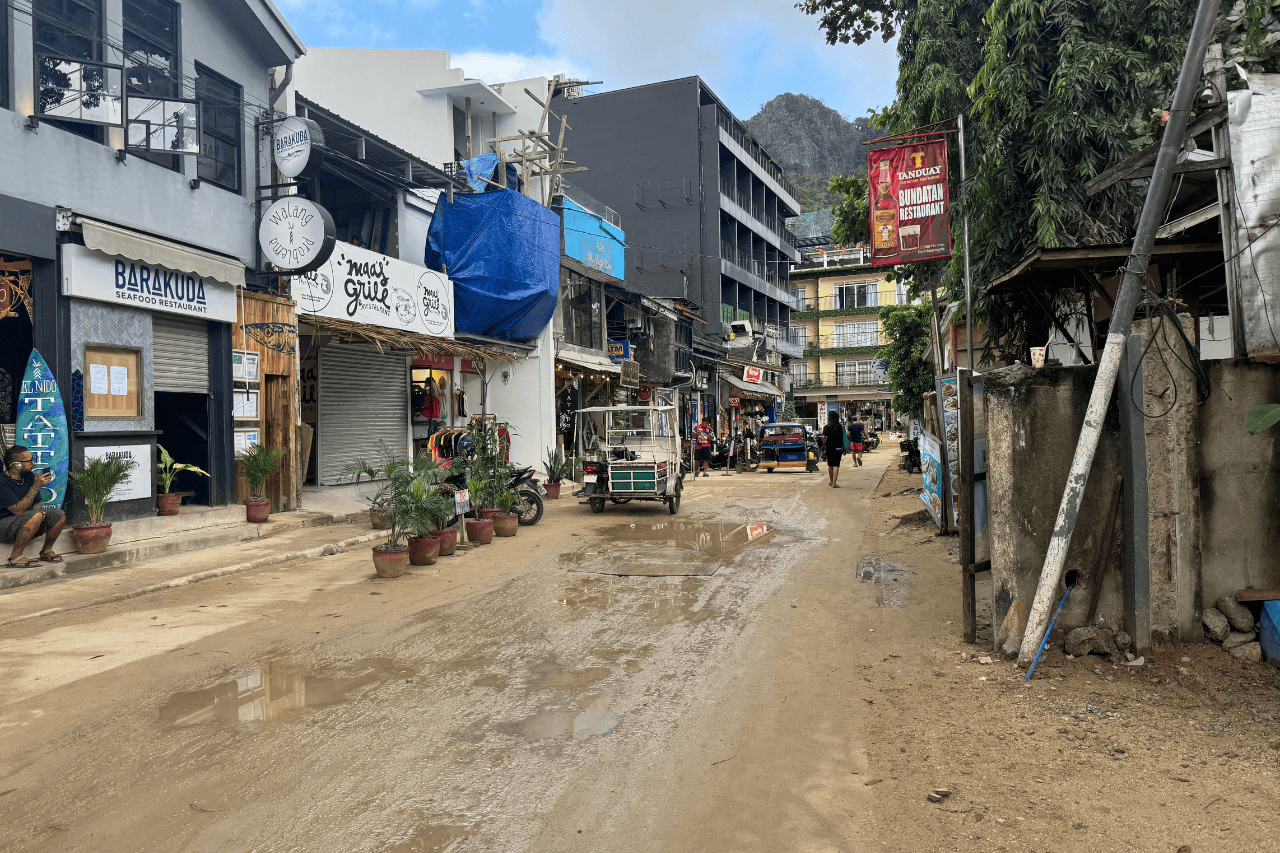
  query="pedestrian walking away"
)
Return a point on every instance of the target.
[
  {"x": 22, "y": 515},
  {"x": 833, "y": 436},
  {"x": 857, "y": 437},
  {"x": 702, "y": 448}
]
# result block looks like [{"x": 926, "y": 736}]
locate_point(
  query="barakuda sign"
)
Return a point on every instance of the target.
[
  {"x": 90, "y": 274},
  {"x": 366, "y": 287}
]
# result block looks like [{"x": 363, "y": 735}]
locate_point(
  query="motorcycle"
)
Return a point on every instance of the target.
[
  {"x": 529, "y": 494},
  {"x": 909, "y": 452},
  {"x": 746, "y": 455},
  {"x": 872, "y": 440},
  {"x": 721, "y": 454}
]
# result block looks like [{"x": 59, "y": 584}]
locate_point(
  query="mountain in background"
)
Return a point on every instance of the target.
[{"x": 811, "y": 142}]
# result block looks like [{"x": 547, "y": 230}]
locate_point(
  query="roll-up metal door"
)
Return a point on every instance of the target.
[
  {"x": 364, "y": 399},
  {"x": 179, "y": 354}
]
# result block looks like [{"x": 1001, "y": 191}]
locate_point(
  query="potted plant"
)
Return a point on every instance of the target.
[
  {"x": 556, "y": 469},
  {"x": 168, "y": 503},
  {"x": 362, "y": 469},
  {"x": 259, "y": 464},
  {"x": 428, "y": 512},
  {"x": 505, "y": 522},
  {"x": 95, "y": 480},
  {"x": 406, "y": 488},
  {"x": 479, "y": 530},
  {"x": 439, "y": 516}
]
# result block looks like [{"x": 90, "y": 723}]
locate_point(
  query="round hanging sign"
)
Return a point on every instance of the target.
[
  {"x": 296, "y": 234},
  {"x": 297, "y": 139}
]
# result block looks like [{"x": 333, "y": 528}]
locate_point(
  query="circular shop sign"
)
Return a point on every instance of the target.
[
  {"x": 296, "y": 139},
  {"x": 434, "y": 297},
  {"x": 296, "y": 234}
]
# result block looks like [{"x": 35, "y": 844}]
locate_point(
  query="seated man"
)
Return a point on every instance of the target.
[{"x": 22, "y": 515}]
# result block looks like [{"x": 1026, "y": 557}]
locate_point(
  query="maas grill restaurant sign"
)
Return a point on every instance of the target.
[
  {"x": 90, "y": 274},
  {"x": 910, "y": 219},
  {"x": 366, "y": 287}
]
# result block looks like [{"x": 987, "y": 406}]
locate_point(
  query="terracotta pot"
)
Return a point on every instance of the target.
[
  {"x": 378, "y": 518},
  {"x": 257, "y": 511},
  {"x": 488, "y": 514},
  {"x": 553, "y": 491},
  {"x": 505, "y": 524},
  {"x": 480, "y": 532},
  {"x": 92, "y": 538},
  {"x": 423, "y": 552},
  {"x": 390, "y": 564},
  {"x": 168, "y": 503},
  {"x": 448, "y": 540}
]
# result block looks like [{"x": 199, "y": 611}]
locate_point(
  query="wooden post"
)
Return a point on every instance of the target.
[{"x": 968, "y": 541}]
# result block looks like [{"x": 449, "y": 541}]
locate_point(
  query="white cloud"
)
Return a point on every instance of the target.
[
  {"x": 495, "y": 67},
  {"x": 747, "y": 50}
]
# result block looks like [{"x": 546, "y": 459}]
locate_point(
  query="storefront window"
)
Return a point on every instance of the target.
[{"x": 583, "y": 312}]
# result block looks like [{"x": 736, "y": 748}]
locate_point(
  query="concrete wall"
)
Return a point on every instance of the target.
[
  {"x": 1033, "y": 421},
  {"x": 1239, "y": 482},
  {"x": 525, "y": 399},
  {"x": 54, "y": 167}
]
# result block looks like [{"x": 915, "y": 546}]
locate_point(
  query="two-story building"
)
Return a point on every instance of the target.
[
  {"x": 837, "y": 328},
  {"x": 127, "y": 228}
]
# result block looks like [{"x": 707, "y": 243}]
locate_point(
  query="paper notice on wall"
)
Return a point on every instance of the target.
[
  {"x": 98, "y": 379},
  {"x": 119, "y": 381}
]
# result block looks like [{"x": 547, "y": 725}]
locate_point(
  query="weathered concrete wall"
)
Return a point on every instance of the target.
[
  {"x": 1033, "y": 421},
  {"x": 1239, "y": 482}
]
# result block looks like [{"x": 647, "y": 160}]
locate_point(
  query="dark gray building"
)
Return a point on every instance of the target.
[{"x": 703, "y": 206}]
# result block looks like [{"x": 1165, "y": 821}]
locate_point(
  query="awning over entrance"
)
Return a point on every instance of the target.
[
  {"x": 588, "y": 360},
  {"x": 754, "y": 390},
  {"x": 156, "y": 251},
  {"x": 399, "y": 340}
]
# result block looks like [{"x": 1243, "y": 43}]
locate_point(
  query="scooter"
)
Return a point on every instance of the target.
[
  {"x": 747, "y": 455},
  {"x": 721, "y": 454},
  {"x": 909, "y": 451},
  {"x": 529, "y": 493}
]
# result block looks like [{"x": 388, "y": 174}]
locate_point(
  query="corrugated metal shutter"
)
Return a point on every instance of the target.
[
  {"x": 364, "y": 399},
  {"x": 179, "y": 354}
]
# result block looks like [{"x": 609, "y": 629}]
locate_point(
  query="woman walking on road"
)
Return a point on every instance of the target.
[{"x": 833, "y": 437}]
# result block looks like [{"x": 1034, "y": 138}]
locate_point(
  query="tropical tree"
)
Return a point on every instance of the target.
[
  {"x": 851, "y": 226},
  {"x": 907, "y": 328}
]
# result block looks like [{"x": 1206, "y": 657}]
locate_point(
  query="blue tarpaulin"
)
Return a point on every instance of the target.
[
  {"x": 481, "y": 170},
  {"x": 501, "y": 250}
]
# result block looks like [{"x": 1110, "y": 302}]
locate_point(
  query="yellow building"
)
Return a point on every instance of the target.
[{"x": 838, "y": 330}]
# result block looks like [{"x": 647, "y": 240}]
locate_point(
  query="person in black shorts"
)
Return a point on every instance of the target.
[{"x": 833, "y": 437}]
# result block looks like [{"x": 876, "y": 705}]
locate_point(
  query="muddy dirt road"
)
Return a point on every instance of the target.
[{"x": 776, "y": 668}]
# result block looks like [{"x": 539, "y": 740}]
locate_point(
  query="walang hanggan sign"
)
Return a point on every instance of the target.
[{"x": 910, "y": 203}]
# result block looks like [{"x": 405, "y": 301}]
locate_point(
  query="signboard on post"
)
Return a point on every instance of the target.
[
  {"x": 619, "y": 351},
  {"x": 910, "y": 203},
  {"x": 296, "y": 234},
  {"x": 735, "y": 402},
  {"x": 949, "y": 403},
  {"x": 931, "y": 465},
  {"x": 752, "y": 374},
  {"x": 295, "y": 146},
  {"x": 630, "y": 377}
]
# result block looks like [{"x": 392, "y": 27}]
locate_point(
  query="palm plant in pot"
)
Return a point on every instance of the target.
[
  {"x": 505, "y": 522},
  {"x": 480, "y": 530},
  {"x": 259, "y": 464},
  {"x": 404, "y": 491},
  {"x": 362, "y": 469},
  {"x": 431, "y": 508},
  {"x": 168, "y": 469},
  {"x": 556, "y": 469},
  {"x": 95, "y": 480}
]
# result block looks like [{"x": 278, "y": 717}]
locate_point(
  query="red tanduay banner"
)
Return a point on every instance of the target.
[{"x": 910, "y": 202}]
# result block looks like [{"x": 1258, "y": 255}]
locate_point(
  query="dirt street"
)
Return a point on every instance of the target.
[{"x": 779, "y": 667}]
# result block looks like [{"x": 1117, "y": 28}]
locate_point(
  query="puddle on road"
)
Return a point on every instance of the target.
[
  {"x": 552, "y": 675},
  {"x": 273, "y": 688},
  {"x": 893, "y": 589},
  {"x": 663, "y": 604},
  {"x": 433, "y": 838},
  {"x": 591, "y": 720},
  {"x": 655, "y": 549}
]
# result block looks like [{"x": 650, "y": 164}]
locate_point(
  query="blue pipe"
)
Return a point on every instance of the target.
[{"x": 1048, "y": 631}]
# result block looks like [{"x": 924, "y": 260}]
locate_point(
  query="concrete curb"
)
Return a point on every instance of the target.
[{"x": 262, "y": 562}]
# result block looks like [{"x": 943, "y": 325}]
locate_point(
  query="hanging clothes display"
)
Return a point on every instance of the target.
[{"x": 460, "y": 401}]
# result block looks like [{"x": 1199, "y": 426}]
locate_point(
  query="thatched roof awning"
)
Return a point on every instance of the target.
[{"x": 398, "y": 340}]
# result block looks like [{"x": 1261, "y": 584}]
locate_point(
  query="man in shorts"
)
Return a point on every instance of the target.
[
  {"x": 22, "y": 515},
  {"x": 702, "y": 448},
  {"x": 857, "y": 436}
]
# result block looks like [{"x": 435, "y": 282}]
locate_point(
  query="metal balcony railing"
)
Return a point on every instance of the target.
[
  {"x": 753, "y": 149},
  {"x": 836, "y": 379},
  {"x": 842, "y": 340}
]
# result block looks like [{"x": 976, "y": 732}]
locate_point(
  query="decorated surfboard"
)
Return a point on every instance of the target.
[{"x": 42, "y": 426}]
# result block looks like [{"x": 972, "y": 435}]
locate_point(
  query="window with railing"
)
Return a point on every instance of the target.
[
  {"x": 856, "y": 296},
  {"x": 863, "y": 334},
  {"x": 77, "y": 91},
  {"x": 582, "y": 315},
  {"x": 219, "y": 160},
  {"x": 856, "y": 372},
  {"x": 151, "y": 68},
  {"x": 799, "y": 372}
]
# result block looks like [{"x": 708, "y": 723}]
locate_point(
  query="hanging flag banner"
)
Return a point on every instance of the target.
[{"x": 910, "y": 204}]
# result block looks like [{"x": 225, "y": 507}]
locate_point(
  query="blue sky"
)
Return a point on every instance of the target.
[{"x": 747, "y": 50}]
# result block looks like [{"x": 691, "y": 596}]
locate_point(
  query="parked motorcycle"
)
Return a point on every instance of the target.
[
  {"x": 721, "y": 454},
  {"x": 529, "y": 494},
  {"x": 746, "y": 455},
  {"x": 909, "y": 453},
  {"x": 872, "y": 440}
]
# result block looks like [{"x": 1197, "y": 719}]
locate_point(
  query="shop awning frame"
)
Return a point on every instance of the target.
[
  {"x": 759, "y": 390},
  {"x": 589, "y": 362},
  {"x": 155, "y": 250},
  {"x": 398, "y": 340}
]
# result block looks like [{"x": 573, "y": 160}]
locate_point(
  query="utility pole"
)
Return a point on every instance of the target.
[
  {"x": 968, "y": 288},
  {"x": 1135, "y": 269}
]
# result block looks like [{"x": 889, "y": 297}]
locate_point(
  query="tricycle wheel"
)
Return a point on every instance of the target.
[
  {"x": 597, "y": 504},
  {"x": 620, "y": 500},
  {"x": 768, "y": 470},
  {"x": 673, "y": 505}
]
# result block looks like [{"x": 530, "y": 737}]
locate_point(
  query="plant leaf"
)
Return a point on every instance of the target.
[{"x": 1262, "y": 417}]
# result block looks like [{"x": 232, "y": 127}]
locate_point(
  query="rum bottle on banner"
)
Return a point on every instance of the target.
[{"x": 884, "y": 214}]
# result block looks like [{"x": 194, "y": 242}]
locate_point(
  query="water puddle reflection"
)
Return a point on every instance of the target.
[
  {"x": 666, "y": 547},
  {"x": 591, "y": 720},
  {"x": 552, "y": 675},
  {"x": 892, "y": 587},
  {"x": 664, "y": 604},
  {"x": 271, "y": 689},
  {"x": 434, "y": 838}
]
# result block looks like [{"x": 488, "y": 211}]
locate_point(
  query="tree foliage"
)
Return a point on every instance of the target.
[
  {"x": 907, "y": 329},
  {"x": 1054, "y": 92},
  {"x": 852, "y": 225}
]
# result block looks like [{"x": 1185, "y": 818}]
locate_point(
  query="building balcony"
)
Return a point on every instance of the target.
[
  {"x": 740, "y": 206},
  {"x": 820, "y": 381},
  {"x": 755, "y": 274},
  {"x": 750, "y": 152}
]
